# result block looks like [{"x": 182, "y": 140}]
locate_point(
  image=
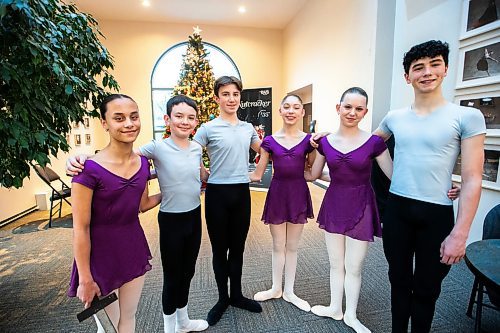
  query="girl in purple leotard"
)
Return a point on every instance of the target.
[
  {"x": 110, "y": 249},
  {"x": 348, "y": 213},
  {"x": 288, "y": 202}
]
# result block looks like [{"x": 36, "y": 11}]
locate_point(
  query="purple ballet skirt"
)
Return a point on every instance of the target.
[
  {"x": 119, "y": 249},
  {"x": 288, "y": 198},
  {"x": 349, "y": 207}
]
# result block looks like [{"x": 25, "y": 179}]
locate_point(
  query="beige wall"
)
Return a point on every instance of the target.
[
  {"x": 330, "y": 45},
  {"x": 136, "y": 46}
]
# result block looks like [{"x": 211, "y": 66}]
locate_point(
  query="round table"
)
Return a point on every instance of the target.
[{"x": 482, "y": 258}]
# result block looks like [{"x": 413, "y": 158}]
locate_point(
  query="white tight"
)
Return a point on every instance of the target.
[
  {"x": 122, "y": 312},
  {"x": 346, "y": 257},
  {"x": 286, "y": 237}
]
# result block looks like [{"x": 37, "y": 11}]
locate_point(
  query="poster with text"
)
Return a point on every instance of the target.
[{"x": 256, "y": 108}]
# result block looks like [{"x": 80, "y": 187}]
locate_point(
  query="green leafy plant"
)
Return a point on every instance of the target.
[{"x": 53, "y": 71}]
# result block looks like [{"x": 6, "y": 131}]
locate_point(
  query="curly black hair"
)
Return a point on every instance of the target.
[{"x": 431, "y": 49}]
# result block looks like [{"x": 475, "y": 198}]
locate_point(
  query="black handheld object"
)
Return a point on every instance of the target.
[
  {"x": 96, "y": 305},
  {"x": 312, "y": 126}
]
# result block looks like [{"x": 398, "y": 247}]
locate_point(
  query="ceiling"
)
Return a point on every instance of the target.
[{"x": 259, "y": 13}]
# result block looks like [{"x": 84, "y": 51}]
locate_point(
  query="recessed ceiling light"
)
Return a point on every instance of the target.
[
  {"x": 242, "y": 9},
  {"x": 146, "y": 3}
]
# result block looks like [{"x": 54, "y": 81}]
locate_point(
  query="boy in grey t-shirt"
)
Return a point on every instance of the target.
[
  {"x": 419, "y": 221},
  {"x": 227, "y": 197},
  {"x": 179, "y": 167}
]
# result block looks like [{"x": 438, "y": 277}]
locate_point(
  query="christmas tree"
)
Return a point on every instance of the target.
[{"x": 197, "y": 80}]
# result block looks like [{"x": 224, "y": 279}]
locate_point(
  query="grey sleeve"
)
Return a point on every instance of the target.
[
  {"x": 255, "y": 136},
  {"x": 383, "y": 126},
  {"x": 148, "y": 150},
  {"x": 472, "y": 123},
  {"x": 201, "y": 136}
]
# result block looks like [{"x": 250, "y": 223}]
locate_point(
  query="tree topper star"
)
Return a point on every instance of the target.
[{"x": 197, "y": 30}]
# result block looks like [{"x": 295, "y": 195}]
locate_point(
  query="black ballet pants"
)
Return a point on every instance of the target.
[
  {"x": 227, "y": 213},
  {"x": 180, "y": 238},
  {"x": 415, "y": 229}
]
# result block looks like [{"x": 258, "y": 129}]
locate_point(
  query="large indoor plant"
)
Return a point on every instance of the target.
[{"x": 53, "y": 70}]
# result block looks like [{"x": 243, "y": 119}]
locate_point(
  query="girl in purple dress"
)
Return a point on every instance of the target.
[
  {"x": 110, "y": 248},
  {"x": 288, "y": 202},
  {"x": 348, "y": 213}
]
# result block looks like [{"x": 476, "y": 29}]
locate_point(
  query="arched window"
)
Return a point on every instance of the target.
[{"x": 166, "y": 73}]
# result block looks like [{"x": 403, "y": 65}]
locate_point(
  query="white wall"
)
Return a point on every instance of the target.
[
  {"x": 14, "y": 201},
  {"x": 415, "y": 24},
  {"x": 330, "y": 44}
]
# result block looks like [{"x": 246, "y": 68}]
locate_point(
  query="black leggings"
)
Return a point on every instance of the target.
[
  {"x": 227, "y": 213},
  {"x": 180, "y": 238},
  {"x": 414, "y": 228}
]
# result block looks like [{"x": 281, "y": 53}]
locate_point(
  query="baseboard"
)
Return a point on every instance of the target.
[{"x": 18, "y": 216}]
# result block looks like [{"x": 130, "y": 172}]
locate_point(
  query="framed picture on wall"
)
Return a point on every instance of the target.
[
  {"x": 489, "y": 105},
  {"x": 87, "y": 139},
  {"x": 86, "y": 122},
  {"x": 490, "y": 169},
  {"x": 78, "y": 139},
  {"x": 479, "y": 64},
  {"x": 479, "y": 16}
]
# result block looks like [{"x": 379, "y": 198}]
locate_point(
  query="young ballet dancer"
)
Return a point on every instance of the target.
[
  {"x": 419, "y": 219},
  {"x": 348, "y": 213},
  {"x": 110, "y": 248},
  {"x": 288, "y": 201},
  {"x": 227, "y": 196},
  {"x": 178, "y": 163}
]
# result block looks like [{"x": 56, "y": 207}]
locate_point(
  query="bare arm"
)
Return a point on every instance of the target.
[
  {"x": 453, "y": 247},
  {"x": 256, "y": 175},
  {"x": 149, "y": 201},
  {"x": 385, "y": 163},
  {"x": 203, "y": 172},
  {"x": 81, "y": 199},
  {"x": 315, "y": 138},
  {"x": 378, "y": 132},
  {"x": 256, "y": 146},
  {"x": 74, "y": 164},
  {"x": 317, "y": 168},
  {"x": 310, "y": 159}
]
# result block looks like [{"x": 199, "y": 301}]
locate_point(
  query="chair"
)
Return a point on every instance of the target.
[
  {"x": 491, "y": 230},
  {"x": 57, "y": 196}
]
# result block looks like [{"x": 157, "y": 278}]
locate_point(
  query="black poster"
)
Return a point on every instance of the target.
[{"x": 256, "y": 108}]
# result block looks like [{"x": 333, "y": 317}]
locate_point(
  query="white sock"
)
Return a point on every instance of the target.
[
  {"x": 298, "y": 302},
  {"x": 267, "y": 294},
  {"x": 100, "y": 329},
  {"x": 356, "y": 325},
  {"x": 327, "y": 311},
  {"x": 184, "y": 324},
  {"x": 169, "y": 323}
]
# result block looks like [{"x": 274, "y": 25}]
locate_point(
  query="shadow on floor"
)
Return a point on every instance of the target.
[{"x": 43, "y": 224}]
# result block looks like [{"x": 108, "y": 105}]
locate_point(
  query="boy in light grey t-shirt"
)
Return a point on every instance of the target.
[
  {"x": 419, "y": 220},
  {"x": 227, "y": 197},
  {"x": 178, "y": 164}
]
